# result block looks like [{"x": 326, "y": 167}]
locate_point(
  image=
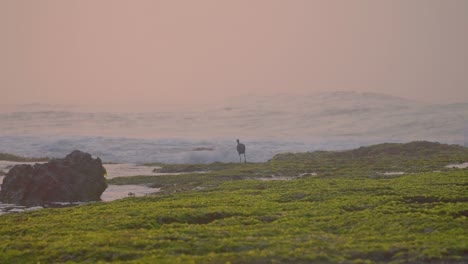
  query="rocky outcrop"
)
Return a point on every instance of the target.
[{"x": 76, "y": 178}]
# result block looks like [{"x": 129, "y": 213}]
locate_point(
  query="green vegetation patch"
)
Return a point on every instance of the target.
[
  {"x": 178, "y": 168},
  {"x": 247, "y": 221},
  {"x": 340, "y": 208},
  {"x": 11, "y": 157}
]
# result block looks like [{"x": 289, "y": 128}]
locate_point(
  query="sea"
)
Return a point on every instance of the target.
[{"x": 267, "y": 125}]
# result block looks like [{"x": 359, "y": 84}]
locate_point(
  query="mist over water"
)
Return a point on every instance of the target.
[{"x": 267, "y": 125}]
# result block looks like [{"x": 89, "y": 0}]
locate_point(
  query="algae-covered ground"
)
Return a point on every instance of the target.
[
  {"x": 11, "y": 157},
  {"x": 385, "y": 203}
]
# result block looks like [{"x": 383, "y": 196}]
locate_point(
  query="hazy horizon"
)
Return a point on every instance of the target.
[
  {"x": 204, "y": 52},
  {"x": 6, "y": 106}
]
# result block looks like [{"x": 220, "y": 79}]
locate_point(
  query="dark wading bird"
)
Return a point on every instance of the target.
[{"x": 241, "y": 150}]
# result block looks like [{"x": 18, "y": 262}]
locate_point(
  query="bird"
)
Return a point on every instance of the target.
[{"x": 241, "y": 150}]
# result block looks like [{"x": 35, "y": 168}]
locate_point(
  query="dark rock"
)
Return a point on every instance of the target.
[{"x": 76, "y": 178}]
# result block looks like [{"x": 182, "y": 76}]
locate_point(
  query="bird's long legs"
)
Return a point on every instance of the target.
[{"x": 240, "y": 158}]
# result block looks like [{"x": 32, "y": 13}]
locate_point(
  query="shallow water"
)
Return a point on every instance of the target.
[
  {"x": 113, "y": 192},
  {"x": 391, "y": 173},
  {"x": 113, "y": 170},
  {"x": 128, "y": 169},
  {"x": 282, "y": 178},
  {"x": 458, "y": 166}
]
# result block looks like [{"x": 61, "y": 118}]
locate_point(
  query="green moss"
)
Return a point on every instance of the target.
[
  {"x": 306, "y": 220},
  {"x": 342, "y": 215},
  {"x": 11, "y": 157},
  {"x": 177, "y": 168}
]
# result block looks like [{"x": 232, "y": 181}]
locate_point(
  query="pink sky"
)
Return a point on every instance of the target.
[{"x": 163, "y": 52}]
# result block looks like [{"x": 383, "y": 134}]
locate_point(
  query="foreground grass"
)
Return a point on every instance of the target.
[
  {"x": 347, "y": 213},
  {"x": 412, "y": 218}
]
